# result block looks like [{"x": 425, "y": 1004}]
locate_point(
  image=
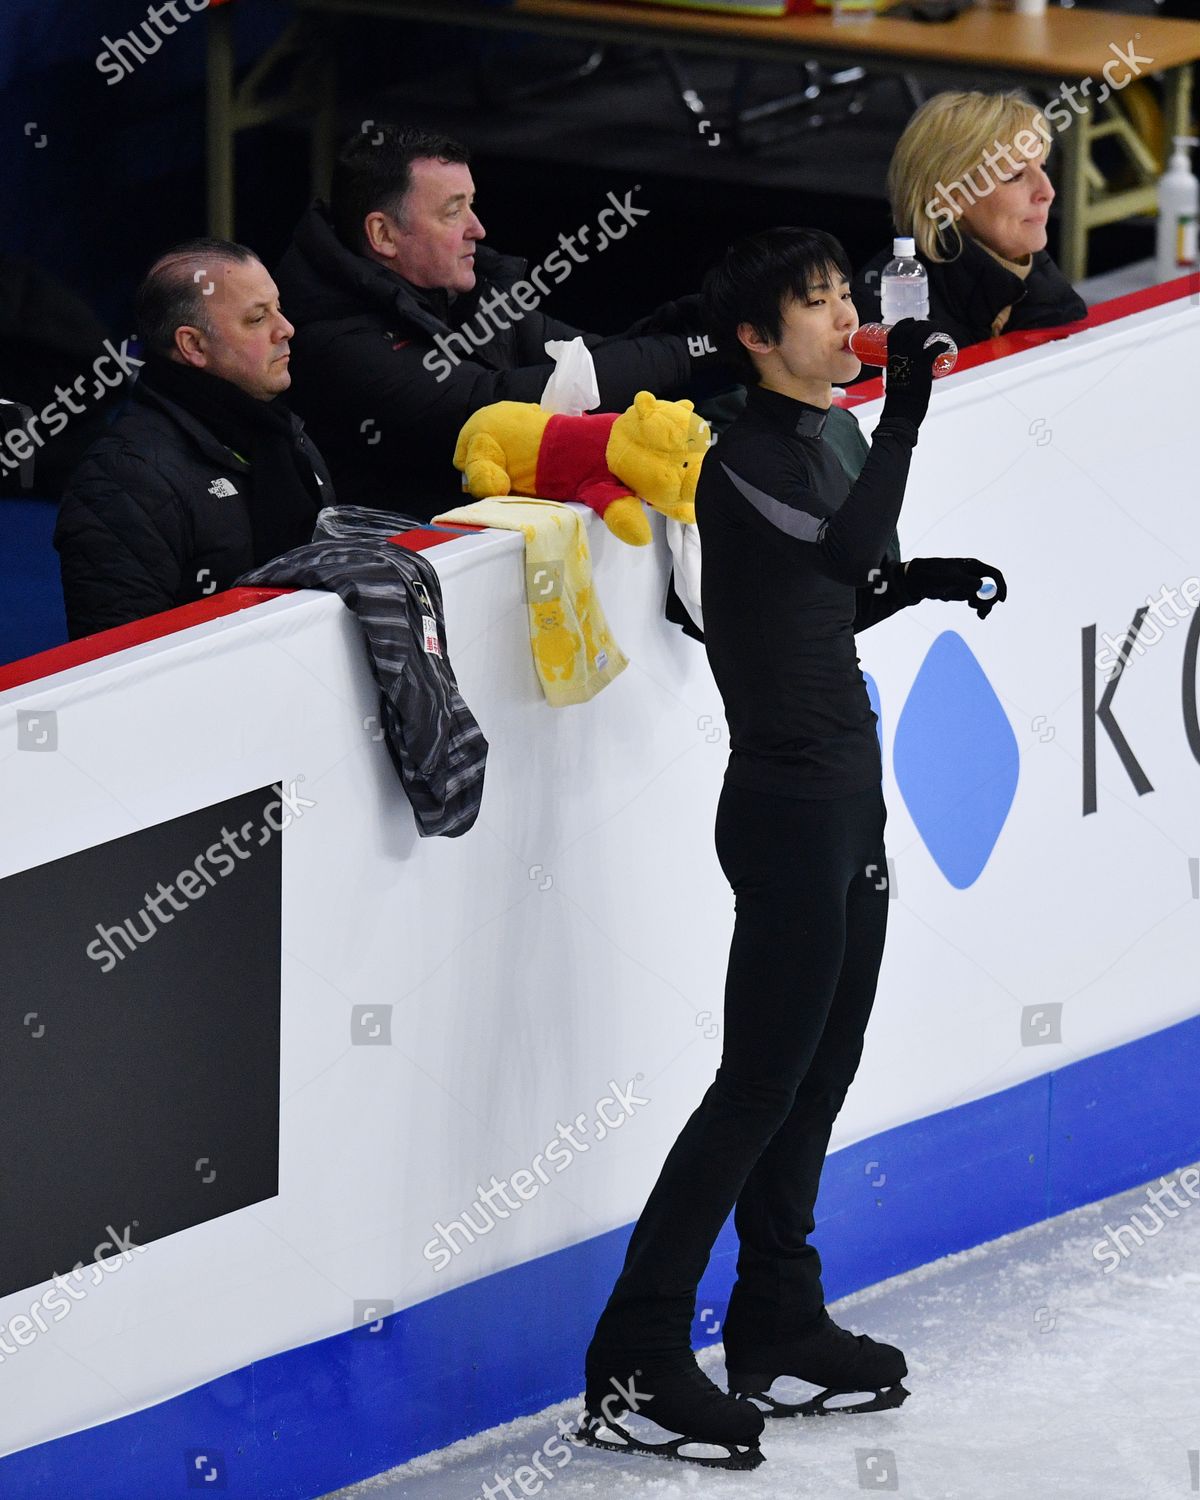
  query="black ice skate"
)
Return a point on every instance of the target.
[
  {"x": 842, "y": 1363},
  {"x": 672, "y": 1392}
]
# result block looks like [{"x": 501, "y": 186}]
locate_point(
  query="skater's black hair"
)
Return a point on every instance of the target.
[{"x": 759, "y": 275}]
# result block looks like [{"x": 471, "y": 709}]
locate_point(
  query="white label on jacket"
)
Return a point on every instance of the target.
[
  {"x": 222, "y": 488},
  {"x": 429, "y": 626}
]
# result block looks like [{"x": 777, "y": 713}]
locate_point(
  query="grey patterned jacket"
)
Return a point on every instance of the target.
[{"x": 432, "y": 736}]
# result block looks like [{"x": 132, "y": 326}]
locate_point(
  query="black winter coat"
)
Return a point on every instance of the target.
[
  {"x": 965, "y": 294},
  {"x": 385, "y": 402},
  {"x": 153, "y": 517}
]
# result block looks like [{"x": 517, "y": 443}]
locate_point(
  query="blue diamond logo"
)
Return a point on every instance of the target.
[{"x": 956, "y": 760}]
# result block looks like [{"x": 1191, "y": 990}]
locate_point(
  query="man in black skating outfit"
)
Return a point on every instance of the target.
[{"x": 796, "y": 560}]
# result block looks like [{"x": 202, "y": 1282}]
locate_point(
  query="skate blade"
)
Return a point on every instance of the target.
[
  {"x": 613, "y": 1438},
  {"x": 821, "y": 1405}
]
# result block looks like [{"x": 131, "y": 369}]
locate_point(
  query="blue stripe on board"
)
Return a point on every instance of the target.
[{"x": 308, "y": 1421}]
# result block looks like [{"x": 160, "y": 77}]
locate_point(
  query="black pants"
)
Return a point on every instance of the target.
[{"x": 809, "y": 880}]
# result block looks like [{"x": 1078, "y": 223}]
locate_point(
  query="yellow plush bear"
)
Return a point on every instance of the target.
[{"x": 610, "y": 461}]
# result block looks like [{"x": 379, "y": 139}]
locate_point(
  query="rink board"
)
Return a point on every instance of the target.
[
  {"x": 1033, "y": 1047},
  {"x": 310, "y": 1420}
]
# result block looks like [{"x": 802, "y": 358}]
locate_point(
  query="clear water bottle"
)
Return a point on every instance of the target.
[{"x": 904, "y": 286}]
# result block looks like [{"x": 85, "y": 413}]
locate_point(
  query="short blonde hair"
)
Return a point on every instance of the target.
[{"x": 942, "y": 149}]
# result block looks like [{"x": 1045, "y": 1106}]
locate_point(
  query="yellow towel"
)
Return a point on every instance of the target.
[{"x": 573, "y": 651}]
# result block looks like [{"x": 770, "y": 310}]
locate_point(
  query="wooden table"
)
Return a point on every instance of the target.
[{"x": 1048, "y": 53}]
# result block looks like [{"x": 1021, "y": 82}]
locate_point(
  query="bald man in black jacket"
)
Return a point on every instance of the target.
[{"x": 207, "y": 472}]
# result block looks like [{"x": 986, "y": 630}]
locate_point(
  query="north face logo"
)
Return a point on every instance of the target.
[{"x": 221, "y": 488}]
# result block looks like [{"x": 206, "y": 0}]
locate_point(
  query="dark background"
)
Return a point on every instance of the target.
[{"x": 122, "y": 172}]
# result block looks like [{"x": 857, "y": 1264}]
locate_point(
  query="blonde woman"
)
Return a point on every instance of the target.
[{"x": 968, "y": 181}]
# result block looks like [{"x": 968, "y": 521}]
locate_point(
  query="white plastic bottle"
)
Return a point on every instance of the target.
[
  {"x": 904, "y": 286},
  {"x": 1178, "y": 204}
]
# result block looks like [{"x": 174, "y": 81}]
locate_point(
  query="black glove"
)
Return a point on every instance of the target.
[
  {"x": 910, "y": 369},
  {"x": 954, "y": 578}
]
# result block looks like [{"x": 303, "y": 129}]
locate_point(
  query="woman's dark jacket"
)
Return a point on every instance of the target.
[{"x": 967, "y": 293}]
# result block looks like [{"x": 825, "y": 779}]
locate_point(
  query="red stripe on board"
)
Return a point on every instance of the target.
[
  {"x": 121, "y": 637},
  {"x": 1029, "y": 338},
  {"x": 421, "y": 538},
  {"x": 154, "y": 627}
]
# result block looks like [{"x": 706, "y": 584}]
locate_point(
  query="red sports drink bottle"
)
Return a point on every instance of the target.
[{"x": 869, "y": 342}]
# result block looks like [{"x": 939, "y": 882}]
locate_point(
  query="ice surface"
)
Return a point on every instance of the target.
[{"x": 1033, "y": 1371}]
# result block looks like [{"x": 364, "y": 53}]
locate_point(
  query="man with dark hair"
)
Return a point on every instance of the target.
[
  {"x": 206, "y": 473},
  {"x": 796, "y": 560},
  {"x": 406, "y": 324},
  {"x": 375, "y": 172}
]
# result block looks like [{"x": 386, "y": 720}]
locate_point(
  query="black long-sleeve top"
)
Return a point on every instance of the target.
[{"x": 795, "y": 562}]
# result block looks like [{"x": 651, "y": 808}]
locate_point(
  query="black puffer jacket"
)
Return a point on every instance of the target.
[
  {"x": 155, "y": 516},
  {"x": 965, "y": 294},
  {"x": 386, "y": 403}
]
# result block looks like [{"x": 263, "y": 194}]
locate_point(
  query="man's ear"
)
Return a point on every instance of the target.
[
  {"x": 191, "y": 345},
  {"x": 754, "y": 339},
  {"x": 379, "y": 231}
]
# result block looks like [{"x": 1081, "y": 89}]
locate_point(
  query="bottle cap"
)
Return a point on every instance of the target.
[{"x": 904, "y": 244}]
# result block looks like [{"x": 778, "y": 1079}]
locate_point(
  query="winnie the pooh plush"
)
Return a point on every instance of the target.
[{"x": 611, "y": 461}]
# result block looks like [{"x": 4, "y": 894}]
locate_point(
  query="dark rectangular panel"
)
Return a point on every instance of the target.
[{"x": 139, "y": 1036}]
